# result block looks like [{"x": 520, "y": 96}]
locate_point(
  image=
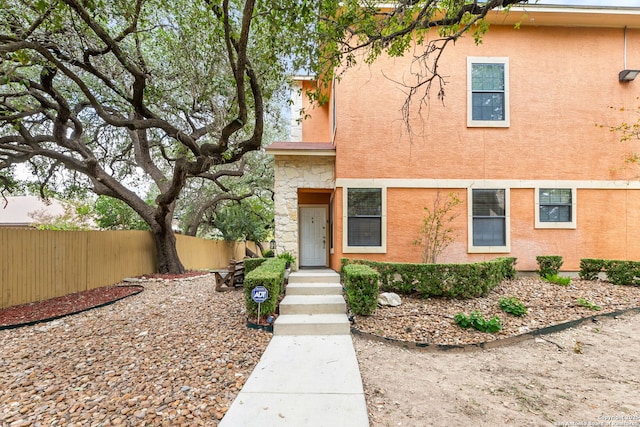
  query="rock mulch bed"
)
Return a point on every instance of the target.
[
  {"x": 176, "y": 354},
  {"x": 432, "y": 320}
]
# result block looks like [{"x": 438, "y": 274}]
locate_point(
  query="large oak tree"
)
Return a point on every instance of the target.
[
  {"x": 98, "y": 91},
  {"x": 108, "y": 89}
]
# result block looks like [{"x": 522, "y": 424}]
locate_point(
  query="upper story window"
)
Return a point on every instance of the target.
[
  {"x": 487, "y": 92},
  {"x": 365, "y": 220},
  {"x": 555, "y": 208}
]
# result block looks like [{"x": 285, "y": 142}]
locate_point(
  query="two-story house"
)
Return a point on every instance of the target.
[{"x": 522, "y": 138}]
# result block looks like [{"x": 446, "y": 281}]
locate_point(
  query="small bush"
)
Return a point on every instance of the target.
[
  {"x": 477, "y": 321},
  {"x": 583, "y": 302},
  {"x": 623, "y": 272},
  {"x": 361, "y": 288},
  {"x": 549, "y": 265},
  {"x": 617, "y": 272},
  {"x": 270, "y": 275},
  {"x": 268, "y": 253},
  {"x": 513, "y": 306},
  {"x": 590, "y": 268},
  {"x": 558, "y": 280},
  {"x": 290, "y": 259}
]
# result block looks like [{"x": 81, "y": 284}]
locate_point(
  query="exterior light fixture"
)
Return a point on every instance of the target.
[
  {"x": 272, "y": 245},
  {"x": 628, "y": 75}
]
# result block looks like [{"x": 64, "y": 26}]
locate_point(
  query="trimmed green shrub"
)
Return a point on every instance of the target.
[
  {"x": 618, "y": 272},
  {"x": 514, "y": 306},
  {"x": 549, "y": 265},
  {"x": 446, "y": 280},
  {"x": 589, "y": 268},
  {"x": 361, "y": 288},
  {"x": 623, "y": 272},
  {"x": 477, "y": 322},
  {"x": 251, "y": 264},
  {"x": 270, "y": 275},
  {"x": 508, "y": 267}
]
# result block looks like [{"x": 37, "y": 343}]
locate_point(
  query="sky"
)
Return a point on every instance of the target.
[{"x": 612, "y": 3}]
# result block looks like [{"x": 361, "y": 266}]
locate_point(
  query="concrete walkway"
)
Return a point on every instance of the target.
[{"x": 308, "y": 376}]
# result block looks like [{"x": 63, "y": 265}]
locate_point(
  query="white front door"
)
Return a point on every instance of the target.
[{"x": 313, "y": 236}]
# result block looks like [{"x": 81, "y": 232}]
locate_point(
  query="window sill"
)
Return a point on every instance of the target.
[
  {"x": 489, "y": 249},
  {"x": 364, "y": 250}
]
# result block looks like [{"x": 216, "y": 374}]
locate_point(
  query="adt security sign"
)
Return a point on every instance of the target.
[{"x": 259, "y": 294}]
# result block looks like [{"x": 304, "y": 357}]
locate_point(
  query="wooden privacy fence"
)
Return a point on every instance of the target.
[{"x": 38, "y": 264}]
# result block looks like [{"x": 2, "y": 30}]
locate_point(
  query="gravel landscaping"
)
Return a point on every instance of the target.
[
  {"x": 176, "y": 354},
  {"x": 432, "y": 320}
]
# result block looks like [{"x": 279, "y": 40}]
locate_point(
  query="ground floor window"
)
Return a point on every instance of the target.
[
  {"x": 489, "y": 220},
  {"x": 364, "y": 220},
  {"x": 555, "y": 208}
]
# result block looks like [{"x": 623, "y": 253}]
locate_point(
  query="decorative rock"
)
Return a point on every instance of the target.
[
  {"x": 145, "y": 360},
  {"x": 389, "y": 299}
]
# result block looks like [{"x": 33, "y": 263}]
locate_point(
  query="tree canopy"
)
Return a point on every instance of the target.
[
  {"x": 104, "y": 94},
  {"x": 100, "y": 92}
]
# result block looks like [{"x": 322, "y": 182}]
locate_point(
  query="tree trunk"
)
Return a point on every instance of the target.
[{"x": 167, "y": 252}]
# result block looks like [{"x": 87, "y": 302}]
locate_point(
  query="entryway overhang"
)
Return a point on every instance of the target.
[{"x": 326, "y": 149}]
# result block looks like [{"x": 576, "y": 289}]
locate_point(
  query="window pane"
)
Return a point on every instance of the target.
[
  {"x": 489, "y": 232},
  {"x": 364, "y": 201},
  {"x": 555, "y": 205},
  {"x": 364, "y": 227},
  {"x": 488, "y": 203},
  {"x": 488, "y": 106},
  {"x": 555, "y": 195},
  {"x": 487, "y": 77},
  {"x": 555, "y": 213},
  {"x": 364, "y": 232},
  {"x": 489, "y": 221}
]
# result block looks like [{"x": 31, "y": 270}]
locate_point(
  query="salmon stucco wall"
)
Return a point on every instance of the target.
[
  {"x": 563, "y": 86},
  {"x": 316, "y": 127},
  {"x": 564, "y": 97},
  {"x": 614, "y": 214}
]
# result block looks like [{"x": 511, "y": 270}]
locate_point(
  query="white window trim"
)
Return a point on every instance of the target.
[
  {"x": 382, "y": 249},
  {"x": 507, "y": 226},
  {"x": 507, "y": 116},
  {"x": 573, "y": 224}
]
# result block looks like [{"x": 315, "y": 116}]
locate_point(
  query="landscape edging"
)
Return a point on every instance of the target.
[
  {"x": 50, "y": 319},
  {"x": 488, "y": 344}
]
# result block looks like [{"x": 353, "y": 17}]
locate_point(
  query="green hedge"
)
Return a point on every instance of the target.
[
  {"x": 445, "y": 280},
  {"x": 589, "y": 268},
  {"x": 269, "y": 274},
  {"x": 361, "y": 288},
  {"x": 618, "y": 272},
  {"x": 251, "y": 264}
]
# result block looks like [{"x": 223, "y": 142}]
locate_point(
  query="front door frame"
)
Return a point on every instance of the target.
[{"x": 326, "y": 233}]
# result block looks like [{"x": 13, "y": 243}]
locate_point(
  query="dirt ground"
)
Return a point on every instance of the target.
[{"x": 584, "y": 376}]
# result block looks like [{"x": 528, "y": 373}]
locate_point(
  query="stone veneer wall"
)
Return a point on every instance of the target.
[{"x": 291, "y": 173}]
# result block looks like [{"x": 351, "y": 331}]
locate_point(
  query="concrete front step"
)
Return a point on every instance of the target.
[
  {"x": 311, "y": 288},
  {"x": 313, "y": 304},
  {"x": 314, "y": 276},
  {"x": 312, "y": 324}
]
